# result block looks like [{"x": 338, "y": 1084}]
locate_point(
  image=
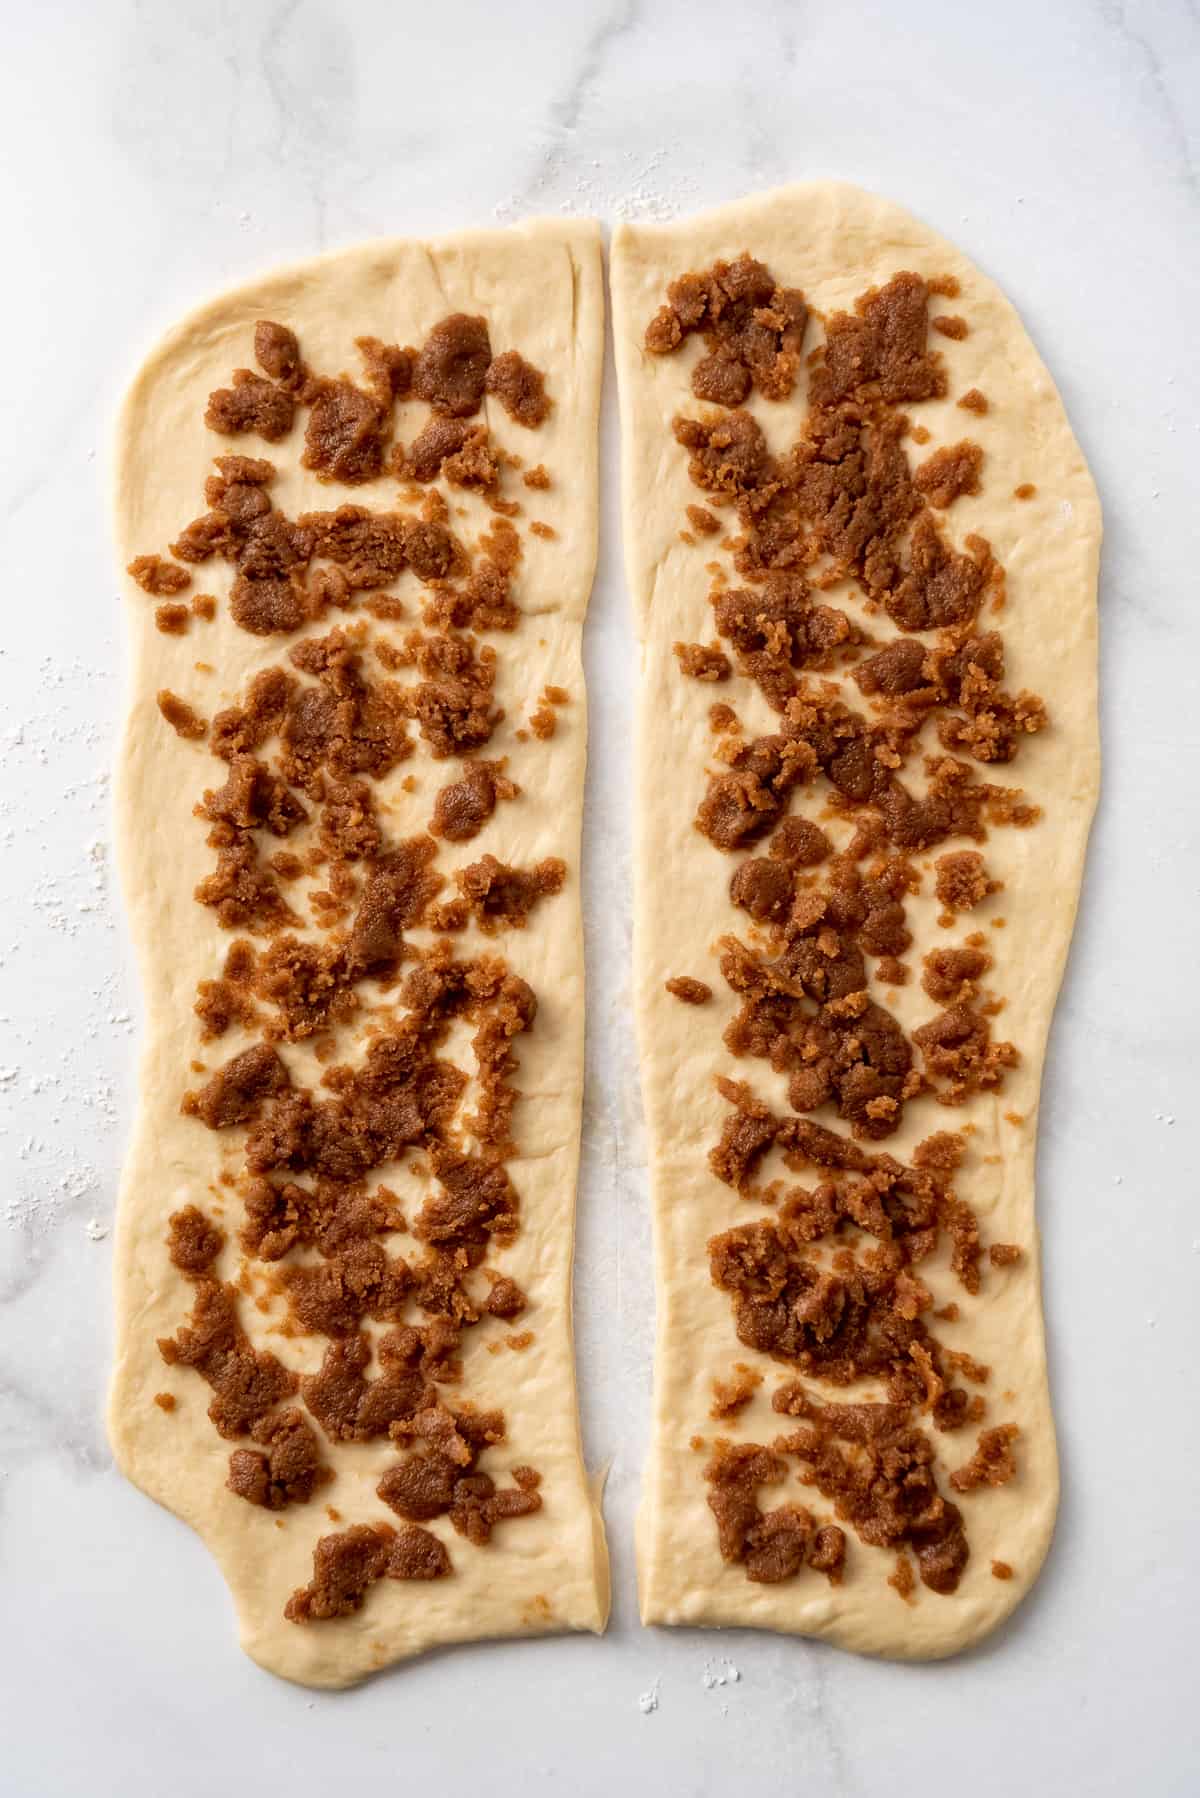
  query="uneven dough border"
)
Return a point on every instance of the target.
[
  {"x": 540, "y": 285},
  {"x": 832, "y": 241}
]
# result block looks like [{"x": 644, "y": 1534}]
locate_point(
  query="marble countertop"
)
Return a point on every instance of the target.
[{"x": 151, "y": 154}]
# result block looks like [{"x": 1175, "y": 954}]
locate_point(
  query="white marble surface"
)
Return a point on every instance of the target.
[{"x": 151, "y": 153}]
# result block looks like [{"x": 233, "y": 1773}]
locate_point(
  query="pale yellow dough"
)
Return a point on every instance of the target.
[
  {"x": 833, "y": 242},
  {"x": 539, "y": 286}
]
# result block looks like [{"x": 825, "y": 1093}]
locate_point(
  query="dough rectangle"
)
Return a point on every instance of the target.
[
  {"x": 539, "y": 286},
  {"x": 833, "y": 242}
]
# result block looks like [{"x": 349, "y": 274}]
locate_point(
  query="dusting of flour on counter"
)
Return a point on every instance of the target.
[
  {"x": 67, "y": 1024},
  {"x": 719, "y": 1673},
  {"x": 648, "y": 1700}
]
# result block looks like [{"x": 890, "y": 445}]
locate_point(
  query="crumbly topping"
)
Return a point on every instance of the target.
[
  {"x": 824, "y": 928},
  {"x": 707, "y": 663},
  {"x": 520, "y": 388},
  {"x": 773, "y": 1545},
  {"x": 344, "y": 439},
  {"x": 451, "y": 370},
  {"x": 690, "y": 991},
  {"x": 302, "y": 749},
  {"x": 463, "y": 807},
  {"x": 180, "y": 716},
  {"x": 949, "y": 473},
  {"x": 753, "y": 330},
  {"x": 158, "y": 577},
  {"x": 346, "y": 1565}
]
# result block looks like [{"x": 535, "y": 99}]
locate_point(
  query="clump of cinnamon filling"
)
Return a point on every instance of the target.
[
  {"x": 158, "y": 577},
  {"x": 878, "y": 1471},
  {"x": 369, "y": 548},
  {"x": 959, "y": 1053},
  {"x": 172, "y": 620},
  {"x": 244, "y": 894},
  {"x": 861, "y": 1319},
  {"x": 445, "y": 1480},
  {"x": 992, "y": 1464},
  {"x": 462, "y": 454},
  {"x": 344, "y": 439},
  {"x": 387, "y": 367},
  {"x": 463, "y": 807},
  {"x": 949, "y": 473},
  {"x": 277, "y": 352},
  {"x": 734, "y": 1394},
  {"x": 345, "y": 725},
  {"x": 347, "y": 1565},
  {"x": 879, "y": 351},
  {"x": 520, "y": 388},
  {"x": 285, "y": 1466},
  {"x": 961, "y": 880},
  {"x": 753, "y": 330},
  {"x": 247, "y": 1383},
  {"x": 269, "y": 551},
  {"x": 251, "y": 404},
  {"x": 451, "y": 370},
  {"x": 703, "y": 663},
  {"x": 502, "y": 897},
  {"x": 238, "y": 1091},
  {"x": 348, "y": 1405},
  {"x": 452, "y": 703},
  {"x": 179, "y": 715},
  {"x": 690, "y": 991},
  {"x": 805, "y": 1007},
  {"x": 774, "y": 1545},
  {"x": 193, "y": 1241}
]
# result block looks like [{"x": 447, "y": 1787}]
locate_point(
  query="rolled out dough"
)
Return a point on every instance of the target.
[
  {"x": 834, "y": 242},
  {"x": 539, "y": 286}
]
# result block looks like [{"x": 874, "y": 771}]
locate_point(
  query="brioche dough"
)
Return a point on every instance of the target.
[
  {"x": 539, "y": 287},
  {"x": 833, "y": 242}
]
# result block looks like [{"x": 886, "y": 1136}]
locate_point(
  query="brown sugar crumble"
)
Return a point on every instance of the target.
[
  {"x": 1001, "y": 1570},
  {"x": 157, "y": 577},
  {"x": 883, "y": 724},
  {"x": 165, "y": 1401},
  {"x": 949, "y": 473},
  {"x": 297, "y": 803},
  {"x": 520, "y": 388},
  {"x": 450, "y": 372},
  {"x": 775, "y": 1545},
  {"x": 172, "y": 620},
  {"x": 704, "y": 663},
  {"x": 734, "y": 1394},
  {"x": 753, "y": 330},
  {"x": 691, "y": 992},
  {"x": 962, "y": 880},
  {"x": 179, "y": 715}
]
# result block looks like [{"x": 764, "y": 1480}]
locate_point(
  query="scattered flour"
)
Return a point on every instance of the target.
[
  {"x": 719, "y": 1673},
  {"x": 648, "y": 1700},
  {"x": 66, "y": 1029}
]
